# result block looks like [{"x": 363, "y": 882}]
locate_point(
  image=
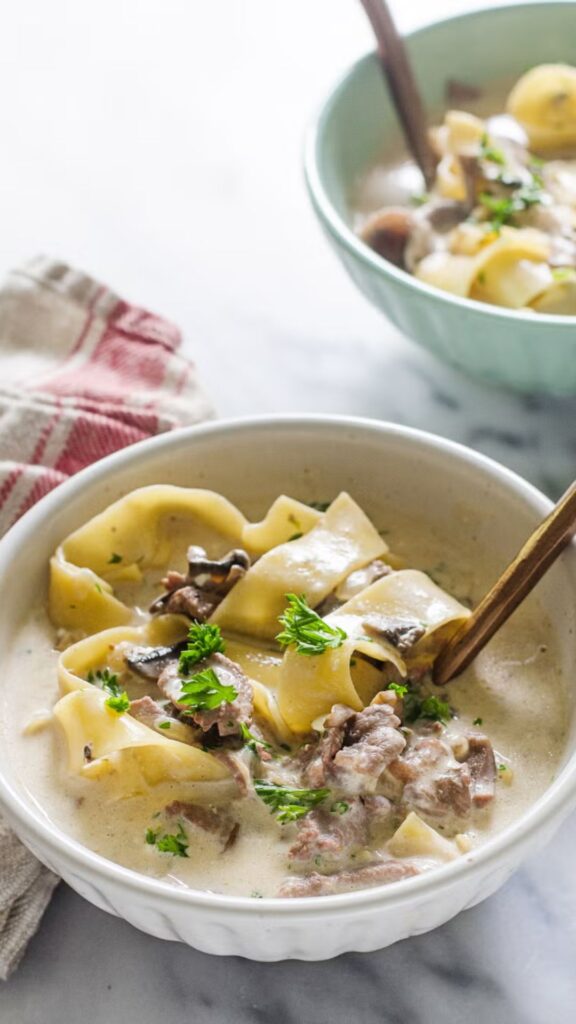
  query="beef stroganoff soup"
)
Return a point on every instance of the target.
[
  {"x": 246, "y": 707},
  {"x": 499, "y": 222}
]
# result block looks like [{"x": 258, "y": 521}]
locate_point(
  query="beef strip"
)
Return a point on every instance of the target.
[
  {"x": 152, "y": 714},
  {"x": 330, "y": 834},
  {"x": 355, "y": 748},
  {"x": 336, "y": 831},
  {"x": 200, "y": 590},
  {"x": 215, "y": 821},
  {"x": 381, "y": 873},
  {"x": 482, "y": 767},
  {"x": 227, "y": 716},
  {"x": 436, "y": 785}
]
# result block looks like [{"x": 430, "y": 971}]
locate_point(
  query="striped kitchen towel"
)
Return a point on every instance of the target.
[{"x": 82, "y": 374}]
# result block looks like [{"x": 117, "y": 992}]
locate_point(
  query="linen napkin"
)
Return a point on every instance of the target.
[{"x": 82, "y": 374}]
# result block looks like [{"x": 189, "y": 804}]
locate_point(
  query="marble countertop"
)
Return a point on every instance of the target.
[{"x": 165, "y": 158}]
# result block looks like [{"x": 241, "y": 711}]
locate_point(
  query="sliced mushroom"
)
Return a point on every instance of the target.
[
  {"x": 150, "y": 662},
  {"x": 387, "y": 232},
  {"x": 198, "y": 592}
]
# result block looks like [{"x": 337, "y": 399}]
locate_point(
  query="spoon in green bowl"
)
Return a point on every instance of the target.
[{"x": 404, "y": 91}]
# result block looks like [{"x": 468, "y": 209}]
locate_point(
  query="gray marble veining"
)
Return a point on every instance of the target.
[{"x": 190, "y": 201}]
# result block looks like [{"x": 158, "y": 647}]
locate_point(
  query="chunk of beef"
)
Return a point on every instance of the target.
[
  {"x": 371, "y": 742},
  {"x": 227, "y": 716},
  {"x": 436, "y": 785},
  {"x": 152, "y": 714},
  {"x": 239, "y": 768},
  {"x": 401, "y": 633},
  {"x": 421, "y": 755},
  {"x": 481, "y": 764},
  {"x": 200, "y": 590},
  {"x": 215, "y": 821},
  {"x": 355, "y": 748},
  {"x": 332, "y": 834},
  {"x": 318, "y": 758},
  {"x": 381, "y": 873}
]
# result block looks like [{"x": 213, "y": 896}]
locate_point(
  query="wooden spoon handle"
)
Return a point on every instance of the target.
[
  {"x": 405, "y": 93},
  {"x": 532, "y": 561}
]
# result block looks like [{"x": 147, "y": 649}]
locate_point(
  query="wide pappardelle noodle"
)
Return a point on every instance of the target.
[
  {"x": 499, "y": 223},
  {"x": 275, "y": 677}
]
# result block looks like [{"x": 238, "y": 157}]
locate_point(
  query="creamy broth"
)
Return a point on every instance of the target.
[
  {"x": 498, "y": 222},
  {"x": 514, "y": 693}
]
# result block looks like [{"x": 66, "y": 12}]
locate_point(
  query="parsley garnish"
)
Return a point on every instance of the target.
[
  {"x": 251, "y": 741},
  {"x": 164, "y": 725},
  {"x": 114, "y": 559},
  {"x": 289, "y": 804},
  {"x": 415, "y": 707},
  {"x": 489, "y": 152},
  {"x": 420, "y": 198},
  {"x": 400, "y": 689},
  {"x": 477, "y": 721},
  {"x": 204, "y": 692},
  {"x": 562, "y": 273},
  {"x": 118, "y": 699},
  {"x": 176, "y": 844},
  {"x": 306, "y": 630},
  {"x": 504, "y": 208},
  {"x": 203, "y": 640},
  {"x": 340, "y": 807}
]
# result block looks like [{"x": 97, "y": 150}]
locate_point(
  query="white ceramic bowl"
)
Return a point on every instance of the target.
[{"x": 251, "y": 461}]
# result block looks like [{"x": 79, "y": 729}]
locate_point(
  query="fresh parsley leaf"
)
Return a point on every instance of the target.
[
  {"x": 477, "y": 721},
  {"x": 253, "y": 742},
  {"x": 306, "y": 630},
  {"x": 400, "y": 689},
  {"x": 503, "y": 208},
  {"x": 118, "y": 699},
  {"x": 288, "y": 804},
  {"x": 430, "y": 707},
  {"x": 489, "y": 152},
  {"x": 164, "y": 725},
  {"x": 204, "y": 692},
  {"x": 340, "y": 807},
  {"x": 114, "y": 559},
  {"x": 420, "y": 198},
  {"x": 203, "y": 640},
  {"x": 174, "y": 843},
  {"x": 435, "y": 709},
  {"x": 119, "y": 704}
]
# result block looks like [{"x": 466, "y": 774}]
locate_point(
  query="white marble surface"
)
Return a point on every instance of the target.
[{"x": 158, "y": 147}]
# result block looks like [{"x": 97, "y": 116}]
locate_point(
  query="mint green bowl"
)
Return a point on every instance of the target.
[{"x": 519, "y": 350}]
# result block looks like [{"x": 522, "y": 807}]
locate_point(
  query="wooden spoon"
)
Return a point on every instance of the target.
[
  {"x": 532, "y": 561},
  {"x": 405, "y": 93}
]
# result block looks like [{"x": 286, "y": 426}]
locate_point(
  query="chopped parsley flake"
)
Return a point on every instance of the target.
[
  {"x": 503, "y": 208},
  {"x": 173, "y": 843},
  {"x": 253, "y": 742},
  {"x": 306, "y": 630},
  {"x": 400, "y": 689},
  {"x": 563, "y": 273},
  {"x": 430, "y": 707},
  {"x": 501, "y": 767},
  {"x": 288, "y": 804},
  {"x": 340, "y": 807},
  {"x": 118, "y": 700},
  {"x": 203, "y": 640},
  {"x": 114, "y": 559},
  {"x": 164, "y": 725},
  {"x": 489, "y": 152},
  {"x": 477, "y": 721},
  {"x": 204, "y": 692}
]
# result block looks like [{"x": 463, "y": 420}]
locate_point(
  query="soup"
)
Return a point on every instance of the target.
[
  {"x": 247, "y": 708},
  {"x": 499, "y": 222}
]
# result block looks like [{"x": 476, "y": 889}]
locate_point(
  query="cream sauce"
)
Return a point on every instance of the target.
[{"x": 515, "y": 689}]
